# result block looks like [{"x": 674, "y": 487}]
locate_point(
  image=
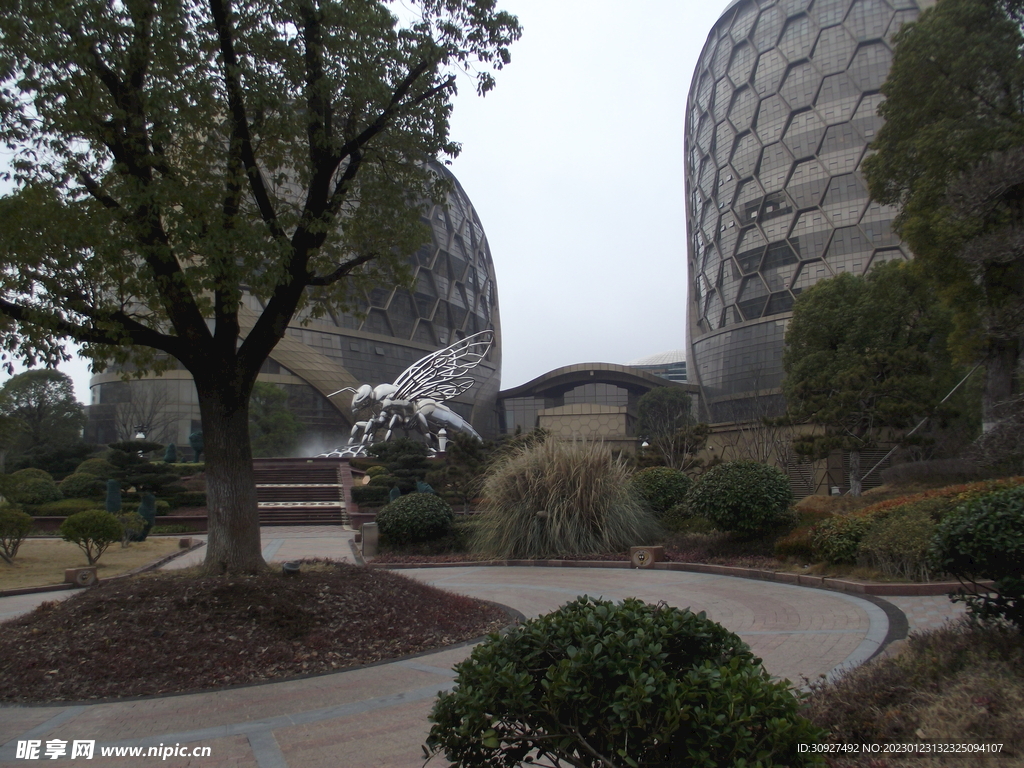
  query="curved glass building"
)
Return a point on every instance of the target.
[
  {"x": 455, "y": 295},
  {"x": 781, "y": 110}
]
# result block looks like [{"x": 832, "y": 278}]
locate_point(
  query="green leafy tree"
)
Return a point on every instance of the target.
[
  {"x": 42, "y": 403},
  {"x": 865, "y": 358},
  {"x": 465, "y": 468},
  {"x": 954, "y": 103},
  {"x": 273, "y": 429},
  {"x": 172, "y": 157},
  {"x": 664, "y": 417}
]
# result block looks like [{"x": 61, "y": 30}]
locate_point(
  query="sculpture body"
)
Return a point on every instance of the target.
[{"x": 416, "y": 400}]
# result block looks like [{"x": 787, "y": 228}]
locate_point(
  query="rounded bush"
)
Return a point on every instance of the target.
[
  {"x": 651, "y": 683},
  {"x": 898, "y": 544},
  {"x": 35, "y": 490},
  {"x": 661, "y": 487},
  {"x": 744, "y": 497},
  {"x": 837, "y": 539},
  {"x": 415, "y": 517},
  {"x": 985, "y": 539},
  {"x": 557, "y": 498},
  {"x": 93, "y": 531},
  {"x": 680, "y": 519},
  {"x": 81, "y": 485},
  {"x": 14, "y": 527},
  {"x": 31, "y": 473},
  {"x": 101, "y": 468}
]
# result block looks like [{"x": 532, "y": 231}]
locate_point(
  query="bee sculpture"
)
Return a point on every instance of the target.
[{"x": 415, "y": 401}]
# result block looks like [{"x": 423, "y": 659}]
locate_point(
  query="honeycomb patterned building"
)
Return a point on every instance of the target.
[
  {"x": 782, "y": 107},
  {"x": 455, "y": 295}
]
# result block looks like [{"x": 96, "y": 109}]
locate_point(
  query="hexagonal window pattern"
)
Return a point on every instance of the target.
[
  {"x": 723, "y": 95},
  {"x": 794, "y": 6},
  {"x": 810, "y": 235},
  {"x": 743, "y": 22},
  {"x": 849, "y": 251},
  {"x": 725, "y": 136},
  {"x": 731, "y": 277},
  {"x": 779, "y": 266},
  {"x": 771, "y": 119},
  {"x": 748, "y": 201},
  {"x": 797, "y": 38},
  {"x": 837, "y": 99},
  {"x": 884, "y": 256},
  {"x": 704, "y": 89},
  {"x": 744, "y": 105},
  {"x": 776, "y": 216},
  {"x": 870, "y": 66},
  {"x": 402, "y": 313},
  {"x": 810, "y": 273},
  {"x": 721, "y": 59},
  {"x": 728, "y": 232},
  {"x": 379, "y": 297},
  {"x": 775, "y": 164},
  {"x": 828, "y": 12},
  {"x": 770, "y": 69},
  {"x": 779, "y": 303},
  {"x": 800, "y": 85},
  {"x": 753, "y": 297},
  {"x": 834, "y": 49},
  {"x": 898, "y": 20},
  {"x": 710, "y": 225},
  {"x": 744, "y": 156},
  {"x": 845, "y": 200},
  {"x": 377, "y": 322},
  {"x": 804, "y": 134},
  {"x": 766, "y": 31},
  {"x": 750, "y": 250},
  {"x": 807, "y": 184},
  {"x": 869, "y": 19},
  {"x": 712, "y": 265},
  {"x": 727, "y": 183},
  {"x": 707, "y": 178},
  {"x": 877, "y": 224},
  {"x": 866, "y": 119},
  {"x": 742, "y": 65},
  {"x": 713, "y": 313},
  {"x": 841, "y": 149}
]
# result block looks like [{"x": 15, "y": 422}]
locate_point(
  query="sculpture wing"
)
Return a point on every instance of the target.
[{"x": 442, "y": 374}]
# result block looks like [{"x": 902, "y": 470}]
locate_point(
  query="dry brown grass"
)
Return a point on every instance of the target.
[{"x": 42, "y": 561}]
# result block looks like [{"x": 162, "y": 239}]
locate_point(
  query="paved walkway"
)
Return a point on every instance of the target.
[{"x": 376, "y": 716}]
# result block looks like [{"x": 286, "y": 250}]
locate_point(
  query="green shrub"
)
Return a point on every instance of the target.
[
  {"x": 555, "y": 498},
  {"x": 101, "y": 468},
  {"x": 898, "y": 544},
  {"x": 190, "y": 499},
  {"x": 14, "y": 527},
  {"x": 31, "y": 473},
  {"x": 837, "y": 539},
  {"x": 639, "y": 684},
  {"x": 798, "y": 544},
  {"x": 81, "y": 485},
  {"x": 376, "y": 469},
  {"x": 92, "y": 531},
  {"x": 984, "y": 539},
  {"x": 680, "y": 519},
  {"x": 370, "y": 495},
  {"x": 162, "y": 507},
  {"x": 742, "y": 497},
  {"x": 34, "y": 490},
  {"x": 415, "y": 517},
  {"x": 661, "y": 487},
  {"x": 66, "y": 507}
]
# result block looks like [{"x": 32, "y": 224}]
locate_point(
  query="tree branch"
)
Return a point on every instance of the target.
[{"x": 343, "y": 269}]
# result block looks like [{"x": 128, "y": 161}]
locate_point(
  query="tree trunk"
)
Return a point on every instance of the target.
[
  {"x": 1000, "y": 373},
  {"x": 233, "y": 544},
  {"x": 855, "y": 487}
]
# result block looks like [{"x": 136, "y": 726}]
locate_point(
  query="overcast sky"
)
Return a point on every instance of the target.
[{"x": 575, "y": 165}]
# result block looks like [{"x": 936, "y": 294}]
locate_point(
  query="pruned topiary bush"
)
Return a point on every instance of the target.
[
  {"x": 597, "y": 683},
  {"x": 414, "y": 518},
  {"x": 34, "y": 490},
  {"x": 92, "y": 531},
  {"x": 898, "y": 544},
  {"x": 743, "y": 497},
  {"x": 555, "y": 497},
  {"x": 101, "y": 468},
  {"x": 14, "y": 527},
  {"x": 82, "y": 485},
  {"x": 661, "y": 488},
  {"x": 984, "y": 539},
  {"x": 837, "y": 539}
]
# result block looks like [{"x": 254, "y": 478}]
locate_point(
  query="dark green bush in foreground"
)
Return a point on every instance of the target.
[
  {"x": 14, "y": 527},
  {"x": 597, "y": 683},
  {"x": 661, "y": 487},
  {"x": 414, "y": 518},
  {"x": 743, "y": 497},
  {"x": 92, "y": 531},
  {"x": 984, "y": 539}
]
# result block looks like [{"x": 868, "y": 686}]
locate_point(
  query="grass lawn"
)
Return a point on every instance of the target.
[{"x": 42, "y": 561}]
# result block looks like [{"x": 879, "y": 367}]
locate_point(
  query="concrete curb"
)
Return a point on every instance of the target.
[{"x": 782, "y": 577}]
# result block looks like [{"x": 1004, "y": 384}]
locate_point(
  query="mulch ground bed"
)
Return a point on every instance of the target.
[{"x": 176, "y": 632}]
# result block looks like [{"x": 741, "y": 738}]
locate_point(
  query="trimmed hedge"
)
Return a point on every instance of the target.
[
  {"x": 644, "y": 685},
  {"x": 743, "y": 497},
  {"x": 92, "y": 531},
  {"x": 81, "y": 485},
  {"x": 661, "y": 488},
  {"x": 370, "y": 495},
  {"x": 414, "y": 518},
  {"x": 34, "y": 491}
]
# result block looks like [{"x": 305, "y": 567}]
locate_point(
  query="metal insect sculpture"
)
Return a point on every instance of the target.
[{"x": 416, "y": 399}]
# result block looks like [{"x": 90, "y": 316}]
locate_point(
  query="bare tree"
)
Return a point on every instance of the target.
[{"x": 147, "y": 407}]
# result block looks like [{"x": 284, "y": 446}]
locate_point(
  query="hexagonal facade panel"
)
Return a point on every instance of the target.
[{"x": 782, "y": 107}]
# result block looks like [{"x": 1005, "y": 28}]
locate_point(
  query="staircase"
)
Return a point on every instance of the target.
[{"x": 300, "y": 491}]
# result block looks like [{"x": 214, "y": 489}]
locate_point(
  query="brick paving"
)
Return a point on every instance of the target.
[{"x": 376, "y": 716}]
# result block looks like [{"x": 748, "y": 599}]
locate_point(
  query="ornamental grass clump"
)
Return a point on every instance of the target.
[
  {"x": 561, "y": 498},
  {"x": 600, "y": 684}
]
